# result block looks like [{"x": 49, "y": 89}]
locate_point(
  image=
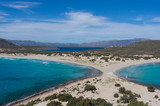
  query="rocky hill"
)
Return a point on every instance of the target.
[
  {"x": 7, "y": 45},
  {"x": 151, "y": 47}
]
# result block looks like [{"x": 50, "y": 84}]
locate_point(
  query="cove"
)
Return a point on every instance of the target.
[
  {"x": 145, "y": 74},
  {"x": 22, "y": 77}
]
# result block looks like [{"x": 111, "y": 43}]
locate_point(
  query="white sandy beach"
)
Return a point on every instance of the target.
[{"x": 105, "y": 87}]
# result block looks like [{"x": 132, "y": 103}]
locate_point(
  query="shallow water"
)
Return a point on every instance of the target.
[
  {"x": 23, "y": 77},
  {"x": 145, "y": 74}
]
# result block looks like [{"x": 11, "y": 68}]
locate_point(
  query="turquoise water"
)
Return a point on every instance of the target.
[
  {"x": 23, "y": 77},
  {"x": 146, "y": 74}
]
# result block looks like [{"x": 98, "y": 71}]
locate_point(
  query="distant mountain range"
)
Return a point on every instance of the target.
[{"x": 104, "y": 44}]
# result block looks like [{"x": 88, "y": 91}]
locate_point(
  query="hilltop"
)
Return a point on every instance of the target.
[
  {"x": 151, "y": 47},
  {"x": 7, "y": 45}
]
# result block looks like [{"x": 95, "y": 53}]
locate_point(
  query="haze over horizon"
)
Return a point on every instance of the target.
[{"x": 79, "y": 21}]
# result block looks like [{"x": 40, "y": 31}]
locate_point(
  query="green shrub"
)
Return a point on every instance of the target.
[
  {"x": 64, "y": 97},
  {"x": 127, "y": 98},
  {"x": 51, "y": 97},
  {"x": 100, "y": 102},
  {"x": 31, "y": 103},
  {"x": 117, "y": 85},
  {"x": 122, "y": 90},
  {"x": 54, "y": 103},
  {"x": 78, "y": 84},
  {"x": 73, "y": 101},
  {"x": 128, "y": 95},
  {"x": 63, "y": 91},
  {"x": 21, "y": 105},
  {"x": 87, "y": 102},
  {"x": 38, "y": 100},
  {"x": 137, "y": 103},
  {"x": 116, "y": 95},
  {"x": 156, "y": 96},
  {"x": 105, "y": 59},
  {"x": 93, "y": 60},
  {"x": 88, "y": 82},
  {"x": 129, "y": 92},
  {"x": 118, "y": 59},
  {"x": 151, "y": 88},
  {"x": 147, "y": 58},
  {"x": 84, "y": 102},
  {"x": 81, "y": 97},
  {"x": 90, "y": 88},
  {"x": 137, "y": 95},
  {"x": 123, "y": 60}
]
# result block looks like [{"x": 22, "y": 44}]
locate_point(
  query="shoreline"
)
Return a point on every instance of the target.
[
  {"x": 50, "y": 89},
  {"x": 93, "y": 73},
  {"x": 110, "y": 74},
  {"x": 136, "y": 82}
]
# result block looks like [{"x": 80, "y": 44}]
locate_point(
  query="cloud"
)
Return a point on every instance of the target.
[
  {"x": 156, "y": 19},
  {"x": 84, "y": 18},
  {"x": 3, "y": 13},
  {"x": 21, "y": 5},
  {"x": 139, "y": 19},
  {"x": 3, "y": 19},
  {"x": 76, "y": 27}
]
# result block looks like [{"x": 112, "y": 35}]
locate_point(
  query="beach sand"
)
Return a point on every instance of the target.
[{"x": 105, "y": 84}]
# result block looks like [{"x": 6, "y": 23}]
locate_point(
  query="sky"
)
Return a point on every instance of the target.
[{"x": 78, "y": 21}]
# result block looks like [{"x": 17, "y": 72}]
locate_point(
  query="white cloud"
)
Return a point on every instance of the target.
[
  {"x": 77, "y": 27},
  {"x": 21, "y": 5},
  {"x": 3, "y": 16},
  {"x": 156, "y": 19},
  {"x": 84, "y": 18},
  {"x": 3, "y": 19},
  {"x": 139, "y": 19},
  {"x": 3, "y": 13}
]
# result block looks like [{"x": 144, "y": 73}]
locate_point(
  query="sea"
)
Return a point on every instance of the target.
[
  {"x": 72, "y": 49},
  {"x": 20, "y": 78},
  {"x": 145, "y": 74}
]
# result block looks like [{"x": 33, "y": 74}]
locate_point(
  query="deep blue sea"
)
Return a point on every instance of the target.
[
  {"x": 72, "y": 49},
  {"x": 145, "y": 74},
  {"x": 23, "y": 77}
]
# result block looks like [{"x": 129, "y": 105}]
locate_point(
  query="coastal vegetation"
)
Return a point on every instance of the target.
[
  {"x": 126, "y": 97},
  {"x": 116, "y": 95},
  {"x": 156, "y": 96},
  {"x": 137, "y": 103},
  {"x": 51, "y": 97},
  {"x": 90, "y": 88},
  {"x": 54, "y": 103},
  {"x": 122, "y": 90},
  {"x": 64, "y": 97},
  {"x": 151, "y": 88},
  {"x": 88, "y": 102},
  {"x": 117, "y": 85}
]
